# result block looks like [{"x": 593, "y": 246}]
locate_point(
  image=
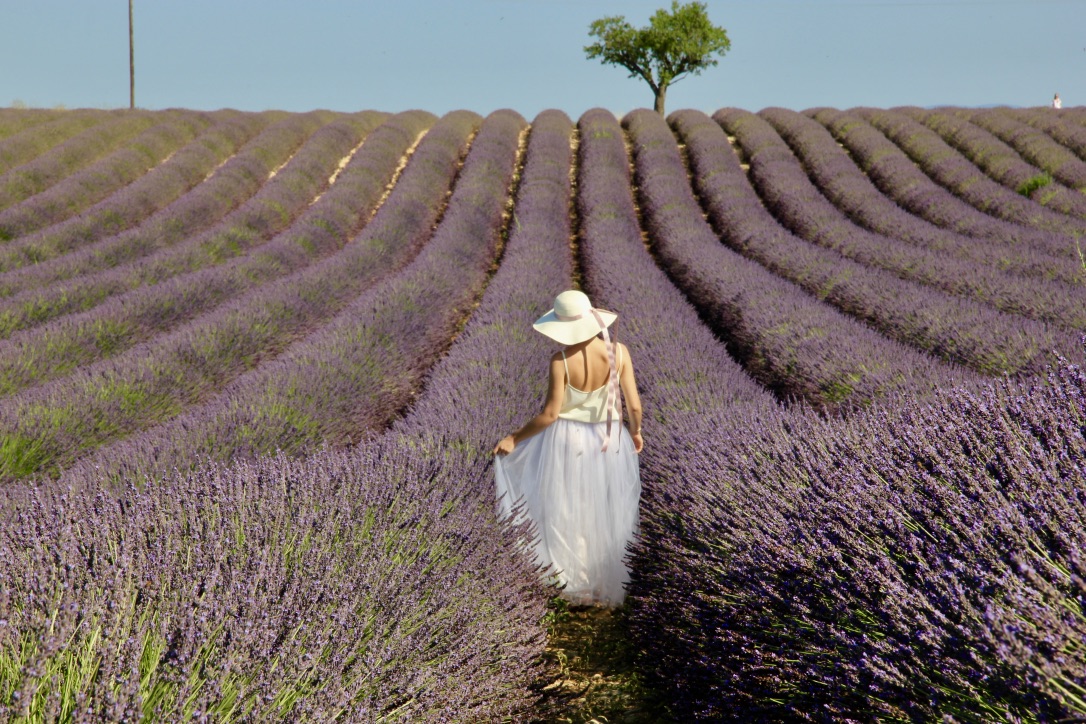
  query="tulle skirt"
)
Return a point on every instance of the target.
[{"x": 583, "y": 502}]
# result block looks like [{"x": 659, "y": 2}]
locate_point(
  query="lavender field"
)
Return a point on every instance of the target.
[{"x": 252, "y": 365}]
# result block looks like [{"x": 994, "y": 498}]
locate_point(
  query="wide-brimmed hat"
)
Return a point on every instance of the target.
[{"x": 573, "y": 319}]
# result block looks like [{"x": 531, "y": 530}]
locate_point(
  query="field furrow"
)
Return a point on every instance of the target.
[
  {"x": 363, "y": 365},
  {"x": 170, "y": 243},
  {"x": 494, "y": 375},
  {"x": 53, "y": 424},
  {"x": 15, "y": 120},
  {"x": 790, "y": 340},
  {"x": 1015, "y": 247},
  {"x": 1067, "y": 133},
  {"x": 952, "y": 170},
  {"x": 800, "y": 206},
  {"x": 40, "y": 354},
  {"x": 102, "y": 178},
  {"x": 683, "y": 369},
  {"x": 833, "y": 172},
  {"x": 32, "y": 142},
  {"x": 1033, "y": 145},
  {"x": 68, "y": 157},
  {"x": 229, "y": 174},
  {"x": 1000, "y": 161}
]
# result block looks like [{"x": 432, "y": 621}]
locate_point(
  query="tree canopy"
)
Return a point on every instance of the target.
[{"x": 673, "y": 45}]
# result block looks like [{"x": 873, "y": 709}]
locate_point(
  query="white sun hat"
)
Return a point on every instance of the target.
[{"x": 573, "y": 319}]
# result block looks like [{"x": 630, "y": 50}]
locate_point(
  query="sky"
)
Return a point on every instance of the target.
[{"x": 528, "y": 55}]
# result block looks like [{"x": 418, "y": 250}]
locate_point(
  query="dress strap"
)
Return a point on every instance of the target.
[{"x": 564, "y": 362}]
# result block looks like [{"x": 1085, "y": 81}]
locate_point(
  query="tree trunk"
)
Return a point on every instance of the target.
[
  {"x": 660, "y": 93},
  {"x": 131, "y": 61}
]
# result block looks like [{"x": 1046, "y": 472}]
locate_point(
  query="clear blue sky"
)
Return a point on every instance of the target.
[{"x": 528, "y": 54}]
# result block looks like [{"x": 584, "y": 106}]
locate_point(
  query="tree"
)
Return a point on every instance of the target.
[{"x": 671, "y": 46}]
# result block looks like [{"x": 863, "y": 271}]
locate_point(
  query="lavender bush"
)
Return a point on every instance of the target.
[
  {"x": 139, "y": 200},
  {"x": 915, "y": 562},
  {"x": 278, "y": 204},
  {"x": 52, "y": 424},
  {"x": 794, "y": 343},
  {"x": 800, "y": 206},
  {"x": 361, "y": 586},
  {"x": 15, "y": 120},
  {"x": 955, "y": 172},
  {"x": 1033, "y": 145},
  {"x": 47, "y": 161},
  {"x": 833, "y": 172},
  {"x": 104, "y": 177},
  {"x": 29, "y": 143},
  {"x": 1001, "y": 162},
  {"x": 1017, "y": 248}
]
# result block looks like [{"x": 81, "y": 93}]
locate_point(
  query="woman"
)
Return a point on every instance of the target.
[{"x": 573, "y": 467}]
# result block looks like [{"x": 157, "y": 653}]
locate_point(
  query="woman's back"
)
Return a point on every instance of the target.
[{"x": 588, "y": 369}]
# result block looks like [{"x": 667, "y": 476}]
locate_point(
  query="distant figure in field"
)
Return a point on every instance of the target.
[
  {"x": 1056, "y": 102},
  {"x": 573, "y": 467}
]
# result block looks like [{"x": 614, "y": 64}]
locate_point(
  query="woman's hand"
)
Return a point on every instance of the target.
[
  {"x": 638, "y": 442},
  {"x": 505, "y": 446}
]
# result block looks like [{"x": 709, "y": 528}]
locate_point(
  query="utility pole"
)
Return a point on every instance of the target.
[{"x": 131, "y": 61}]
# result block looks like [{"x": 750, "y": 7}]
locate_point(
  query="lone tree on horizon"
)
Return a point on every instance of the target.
[{"x": 673, "y": 45}]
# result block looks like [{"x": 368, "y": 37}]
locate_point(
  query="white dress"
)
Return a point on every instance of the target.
[{"x": 582, "y": 500}]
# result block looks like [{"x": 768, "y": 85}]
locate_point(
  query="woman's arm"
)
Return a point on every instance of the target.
[
  {"x": 633, "y": 401},
  {"x": 556, "y": 393}
]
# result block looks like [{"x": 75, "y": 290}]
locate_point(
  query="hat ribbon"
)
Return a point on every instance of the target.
[{"x": 612, "y": 374}]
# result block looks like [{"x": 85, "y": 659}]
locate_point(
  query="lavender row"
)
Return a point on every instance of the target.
[
  {"x": 146, "y": 256},
  {"x": 1067, "y": 133},
  {"x": 236, "y": 174},
  {"x": 72, "y": 154},
  {"x": 1015, "y": 247},
  {"x": 493, "y": 642},
  {"x": 840, "y": 180},
  {"x": 1032, "y": 145},
  {"x": 1001, "y": 162},
  {"x": 693, "y": 393},
  {"x": 14, "y": 120},
  {"x": 847, "y": 272},
  {"x": 685, "y": 374},
  {"x": 916, "y": 562},
  {"x": 351, "y": 376},
  {"x": 793, "y": 342},
  {"x": 98, "y": 180},
  {"x": 952, "y": 170},
  {"x": 51, "y": 425},
  {"x": 37, "y": 355},
  {"x": 494, "y": 375},
  {"x": 801, "y": 207},
  {"x": 32, "y": 142},
  {"x": 346, "y": 586}
]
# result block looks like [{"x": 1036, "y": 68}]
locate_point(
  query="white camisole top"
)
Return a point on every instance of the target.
[{"x": 584, "y": 406}]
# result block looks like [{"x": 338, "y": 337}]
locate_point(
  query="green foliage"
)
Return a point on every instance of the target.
[
  {"x": 673, "y": 45},
  {"x": 1027, "y": 187}
]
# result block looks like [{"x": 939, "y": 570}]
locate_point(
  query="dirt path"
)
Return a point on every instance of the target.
[{"x": 594, "y": 678}]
